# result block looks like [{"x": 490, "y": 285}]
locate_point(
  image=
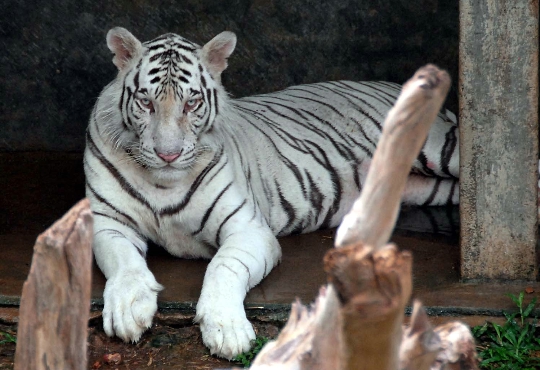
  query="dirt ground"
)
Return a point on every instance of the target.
[{"x": 162, "y": 347}]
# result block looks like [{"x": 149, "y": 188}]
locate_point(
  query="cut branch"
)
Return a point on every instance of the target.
[
  {"x": 373, "y": 280},
  {"x": 458, "y": 348},
  {"x": 310, "y": 340},
  {"x": 55, "y": 302},
  {"x": 420, "y": 345},
  {"x": 405, "y": 130},
  {"x": 374, "y": 289}
]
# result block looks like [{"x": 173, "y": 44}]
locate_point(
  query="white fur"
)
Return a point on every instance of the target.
[{"x": 256, "y": 192}]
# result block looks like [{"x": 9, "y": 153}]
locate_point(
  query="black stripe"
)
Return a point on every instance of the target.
[
  {"x": 383, "y": 100},
  {"x": 136, "y": 80},
  {"x": 288, "y": 208},
  {"x": 382, "y": 94},
  {"x": 171, "y": 210},
  {"x": 316, "y": 198},
  {"x": 121, "y": 102},
  {"x": 120, "y": 235},
  {"x": 341, "y": 85},
  {"x": 155, "y": 47},
  {"x": 209, "y": 210},
  {"x": 286, "y": 161},
  {"x": 124, "y": 184},
  {"x": 134, "y": 226},
  {"x": 304, "y": 122},
  {"x": 157, "y": 56},
  {"x": 424, "y": 161},
  {"x": 335, "y": 183},
  {"x": 282, "y": 133},
  {"x": 356, "y": 106},
  {"x": 452, "y": 190},
  {"x": 448, "y": 148},
  {"x": 242, "y": 263},
  {"x": 240, "y": 156},
  {"x": 225, "y": 221},
  {"x": 434, "y": 192},
  {"x": 142, "y": 237},
  {"x": 331, "y": 107},
  {"x": 216, "y": 101},
  {"x": 184, "y": 47},
  {"x": 343, "y": 150},
  {"x": 186, "y": 59}
]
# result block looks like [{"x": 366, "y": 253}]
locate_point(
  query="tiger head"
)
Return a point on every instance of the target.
[{"x": 165, "y": 98}]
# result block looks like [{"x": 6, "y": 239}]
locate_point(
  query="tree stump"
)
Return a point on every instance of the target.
[{"x": 55, "y": 302}]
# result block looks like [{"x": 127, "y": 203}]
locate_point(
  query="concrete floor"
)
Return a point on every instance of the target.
[{"x": 37, "y": 188}]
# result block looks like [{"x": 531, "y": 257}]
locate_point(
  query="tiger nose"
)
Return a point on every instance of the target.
[{"x": 168, "y": 157}]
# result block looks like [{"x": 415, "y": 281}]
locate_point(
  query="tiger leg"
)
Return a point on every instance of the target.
[
  {"x": 244, "y": 258},
  {"x": 430, "y": 191},
  {"x": 130, "y": 295}
]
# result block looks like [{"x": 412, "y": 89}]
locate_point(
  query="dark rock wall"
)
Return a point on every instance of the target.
[{"x": 54, "y": 60}]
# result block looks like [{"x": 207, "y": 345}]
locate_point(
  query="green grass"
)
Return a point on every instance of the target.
[
  {"x": 247, "y": 357},
  {"x": 7, "y": 338},
  {"x": 514, "y": 345}
]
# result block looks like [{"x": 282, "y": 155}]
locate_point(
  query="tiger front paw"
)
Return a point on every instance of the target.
[
  {"x": 130, "y": 304},
  {"x": 225, "y": 331}
]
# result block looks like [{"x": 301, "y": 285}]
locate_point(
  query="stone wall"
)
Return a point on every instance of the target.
[{"x": 54, "y": 60}]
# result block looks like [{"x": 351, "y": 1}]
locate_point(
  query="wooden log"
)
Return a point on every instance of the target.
[
  {"x": 405, "y": 130},
  {"x": 498, "y": 96},
  {"x": 458, "y": 348},
  {"x": 55, "y": 302},
  {"x": 310, "y": 340},
  {"x": 374, "y": 289},
  {"x": 374, "y": 279},
  {"x": 447, "y": 347},
  {"x": 420, "y": 345}
]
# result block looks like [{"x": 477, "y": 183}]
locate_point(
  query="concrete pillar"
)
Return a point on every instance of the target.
[{"x": 498, "y": 92}]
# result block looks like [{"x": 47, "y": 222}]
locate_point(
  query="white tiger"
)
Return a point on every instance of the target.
[{"x": 172, "y": 159}]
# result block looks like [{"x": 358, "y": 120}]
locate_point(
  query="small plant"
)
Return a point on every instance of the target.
[
  {"x": 7, "y": 338},
  {"x": 256, "y": 346},
  {"x": 514, "y": 345}
]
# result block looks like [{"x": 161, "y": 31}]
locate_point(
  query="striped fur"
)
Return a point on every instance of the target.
[{"x": 172, "y": 159}]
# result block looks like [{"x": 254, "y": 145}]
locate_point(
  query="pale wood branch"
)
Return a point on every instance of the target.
[
  {"x": 458, "y": 348},
  {"x": 405, "y": 129},
  {"x": 420, "y": 345},
  {"x": 55, "y": 302},
  {"x": 374, "y": 289},
  {"x": 311, "y": 340},
  {"x": 373, "y": 279}
]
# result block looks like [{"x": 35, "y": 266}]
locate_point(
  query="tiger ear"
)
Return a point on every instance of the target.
[
  {"x": 216, "y": 52},
  {"x": 124, "y": 45}
]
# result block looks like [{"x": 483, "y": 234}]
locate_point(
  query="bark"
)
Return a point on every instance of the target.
[
  {"x": 374, "y": 288},
  {"x": 55, "y": 302},
  {"x": 310, "y": 339}
]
